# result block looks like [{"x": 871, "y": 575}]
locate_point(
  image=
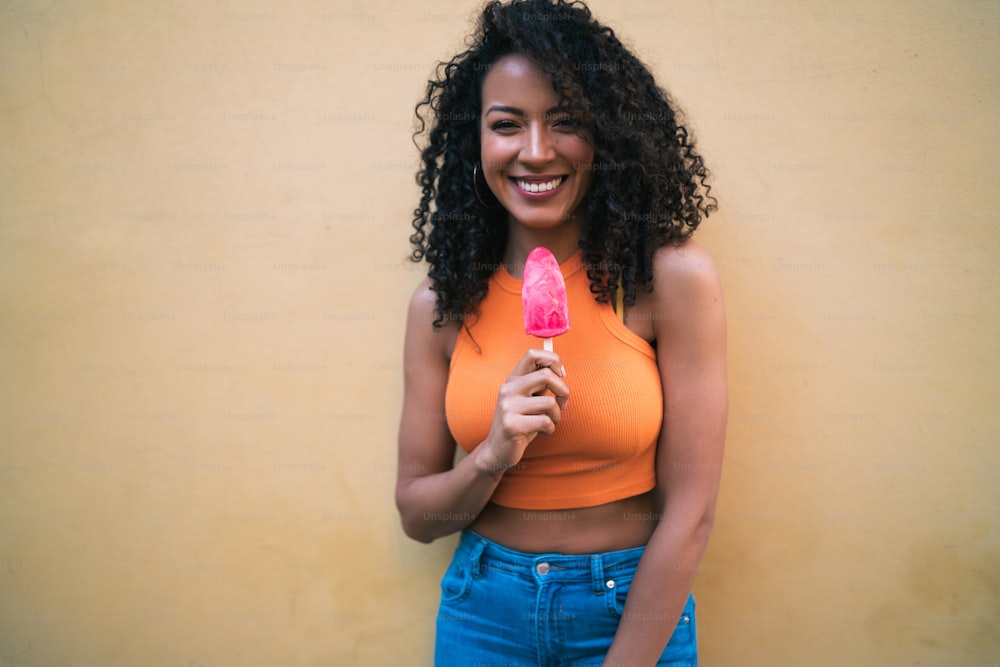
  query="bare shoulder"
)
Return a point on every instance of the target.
[
  {"x": 685, "y": 278},
  {"x": 684, "y": 272},
  {"x": 420, "y": 329},
  {"x": 687, "y": 289},
  {"x": 690, "y": 262},
  {"x": 423, "y": 301}
]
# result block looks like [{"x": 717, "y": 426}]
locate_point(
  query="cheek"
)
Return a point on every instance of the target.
[
  {"x": 584, "y": 154},
  {"x": 497, "y": 150},
  {"x": 584, "y": 161},
  {"x": 578, "y": 151},
  {"x": 494, "y": 159}
]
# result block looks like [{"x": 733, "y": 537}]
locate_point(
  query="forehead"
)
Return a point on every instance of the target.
[{"x": 518, "y": 78}]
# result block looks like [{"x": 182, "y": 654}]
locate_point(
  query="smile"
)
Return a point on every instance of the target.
[{"x": 537, "y": 187}]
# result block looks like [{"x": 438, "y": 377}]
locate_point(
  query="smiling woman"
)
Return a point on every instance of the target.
[
  {"x": 535, "y": 158},
  {"x": 581, "y": 528}
]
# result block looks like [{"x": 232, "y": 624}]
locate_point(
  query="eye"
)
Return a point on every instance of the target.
[
  {"x": 503, "y": 124},
  {"x": 565, "y": 122}
]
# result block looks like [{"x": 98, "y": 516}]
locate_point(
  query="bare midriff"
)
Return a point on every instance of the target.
[{"x": 622, "y": 524}]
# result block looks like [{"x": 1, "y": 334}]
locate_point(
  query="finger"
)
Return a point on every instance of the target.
[
  {"x": 556, "y": 385},
  {"x": 537, "y": 406},
  {"x": 535, "y": 359},
  {"x": 540, "y": 381},
  {"x": 534, "y": 424}
]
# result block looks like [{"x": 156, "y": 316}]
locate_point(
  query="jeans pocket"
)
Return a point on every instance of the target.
[
  {"x": 615, "y": 594},
  {"x": 456, "y": 581},
  {"x": 682, "y": 649}
]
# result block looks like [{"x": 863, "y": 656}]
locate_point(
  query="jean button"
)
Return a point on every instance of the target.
[
  {"x": 610, "y": 583},
  {"x": 685, "y": 619},
  {"x": 542, "y": 569}
]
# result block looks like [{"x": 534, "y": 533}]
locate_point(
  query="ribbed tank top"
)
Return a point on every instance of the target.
[{"x": 604, "y": 448}]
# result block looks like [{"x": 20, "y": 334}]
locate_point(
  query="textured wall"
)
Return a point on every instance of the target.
[{"x": 203, "y": 218}]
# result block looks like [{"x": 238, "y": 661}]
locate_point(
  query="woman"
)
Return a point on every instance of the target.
[{"x": 587, "y": 496}]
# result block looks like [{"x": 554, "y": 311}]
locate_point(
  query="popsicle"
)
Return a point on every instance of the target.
[{"x": 543, "y": 297}]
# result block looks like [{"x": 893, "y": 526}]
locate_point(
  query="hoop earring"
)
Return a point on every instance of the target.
[{"x": 475, "y": 189}]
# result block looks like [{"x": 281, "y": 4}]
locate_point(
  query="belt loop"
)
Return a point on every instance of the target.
[
  {"x": 597, "y": 572},
  {"x": 476, "y": 557}
]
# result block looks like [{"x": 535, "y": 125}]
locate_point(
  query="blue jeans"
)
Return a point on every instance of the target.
[{"x": 506, "y": 608}]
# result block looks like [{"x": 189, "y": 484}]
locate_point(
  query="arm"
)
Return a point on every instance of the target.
[
  {"x": 435, "y": 497},
  {"x": 691, "y": 355}
]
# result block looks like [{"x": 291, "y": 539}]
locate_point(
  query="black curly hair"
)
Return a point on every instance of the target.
[{"x": 648, "y": 186}]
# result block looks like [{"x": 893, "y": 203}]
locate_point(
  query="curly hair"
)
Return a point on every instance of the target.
[{"x": 648, "y": 186}]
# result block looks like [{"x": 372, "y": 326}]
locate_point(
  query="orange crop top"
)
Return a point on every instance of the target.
[{"x": 604, "y": 448}]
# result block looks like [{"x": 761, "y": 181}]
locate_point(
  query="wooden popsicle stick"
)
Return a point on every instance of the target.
[{"x": 547, "y": 344}]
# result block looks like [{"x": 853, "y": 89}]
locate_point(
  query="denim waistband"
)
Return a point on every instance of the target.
[{"x": 488, "y": 556}]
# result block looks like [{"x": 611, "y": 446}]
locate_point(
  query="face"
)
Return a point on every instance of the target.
[{"x": 534, "y": 160}]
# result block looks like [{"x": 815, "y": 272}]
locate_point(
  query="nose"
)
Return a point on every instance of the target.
[{"x": 539, "y": 148}]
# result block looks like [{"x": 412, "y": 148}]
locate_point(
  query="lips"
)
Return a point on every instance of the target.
[{"x": 538, "y": 184}]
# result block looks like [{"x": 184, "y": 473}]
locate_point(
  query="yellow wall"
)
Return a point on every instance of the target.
[{"x": 204, "y": 211}]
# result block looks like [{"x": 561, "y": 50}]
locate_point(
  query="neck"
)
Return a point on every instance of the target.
[{"x": 562, "y": 241}]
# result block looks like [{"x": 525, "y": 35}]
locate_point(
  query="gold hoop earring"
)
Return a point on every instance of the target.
[{"x": 475, "y": 188}]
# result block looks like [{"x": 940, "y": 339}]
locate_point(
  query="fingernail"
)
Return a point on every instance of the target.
[{"x": 563, "y": 369}]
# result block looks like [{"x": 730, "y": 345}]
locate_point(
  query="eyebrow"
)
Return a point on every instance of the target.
[{"x": 520, "y": 112}]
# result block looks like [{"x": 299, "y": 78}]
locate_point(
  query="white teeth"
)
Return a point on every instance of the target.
[{"x": 539, "y": 187}]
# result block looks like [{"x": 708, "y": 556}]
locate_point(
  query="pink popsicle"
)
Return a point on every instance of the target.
[{"x": 543, "y": 297}]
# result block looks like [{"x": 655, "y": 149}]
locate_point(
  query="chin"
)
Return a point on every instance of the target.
[{"x": 538, "y": 220}]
